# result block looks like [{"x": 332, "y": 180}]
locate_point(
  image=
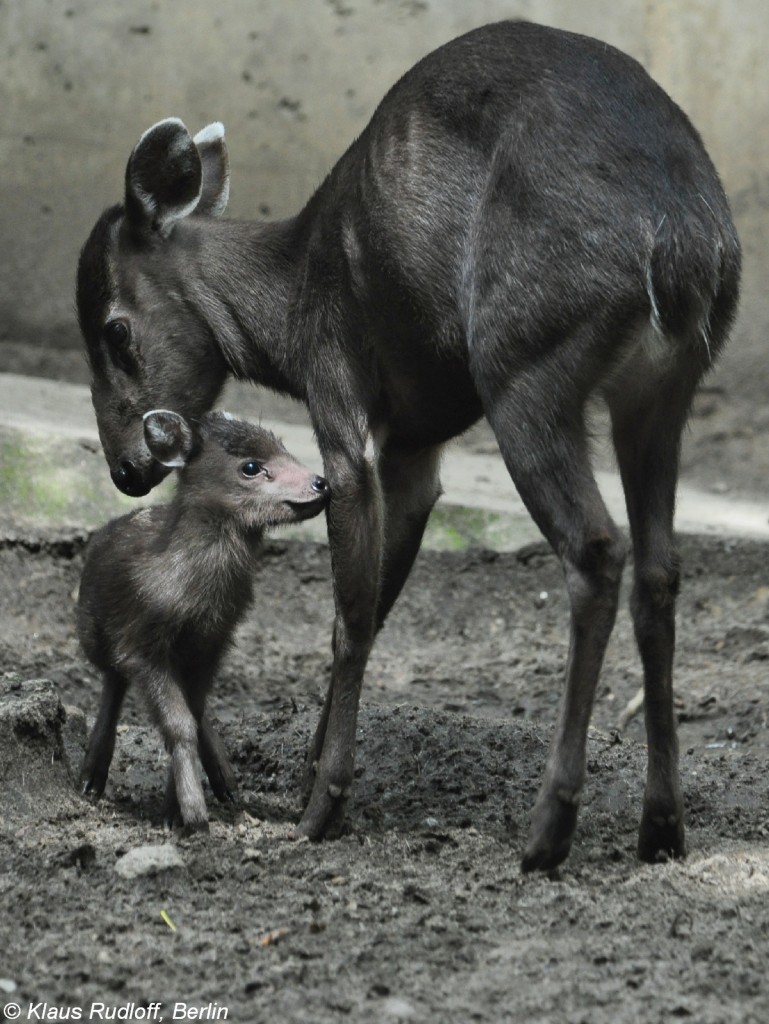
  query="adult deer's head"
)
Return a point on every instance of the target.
[{"x": 149, "y": 345}]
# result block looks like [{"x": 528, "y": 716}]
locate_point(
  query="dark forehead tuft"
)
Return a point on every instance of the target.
[
  {"x": 239, "y": 438},
  {"x": 95, "y": 283}
]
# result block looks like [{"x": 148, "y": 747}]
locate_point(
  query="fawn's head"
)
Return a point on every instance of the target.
[{"x": 234, "y": 469}]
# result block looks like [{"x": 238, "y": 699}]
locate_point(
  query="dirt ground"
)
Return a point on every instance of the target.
[{"x": 420, "y": 913}]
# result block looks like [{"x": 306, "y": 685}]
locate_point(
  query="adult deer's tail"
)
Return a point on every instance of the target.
[{"x": 693, "y": 276}]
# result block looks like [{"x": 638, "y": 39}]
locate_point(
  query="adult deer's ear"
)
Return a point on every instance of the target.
[
  {"x": 163, "y": 178},
  {"x": 216, "y": 170},
  {"x": 169, "y": 437}
]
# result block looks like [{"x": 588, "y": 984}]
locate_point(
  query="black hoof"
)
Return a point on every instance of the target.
[
  {"x": 661, "y": 838},
  {"x": 551, "y": 836}
]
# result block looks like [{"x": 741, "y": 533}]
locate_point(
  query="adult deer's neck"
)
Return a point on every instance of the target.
[{"x": 247, "y": 276}]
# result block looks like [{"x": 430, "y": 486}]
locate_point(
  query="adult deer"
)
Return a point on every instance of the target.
[{"x": 528, "y": 221}]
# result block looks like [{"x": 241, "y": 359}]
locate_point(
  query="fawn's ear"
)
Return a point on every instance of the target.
[
  {"x": 216, "y": 170},
  {"x": 164, "y": 178},
  {"x": 169, "y": 437}
]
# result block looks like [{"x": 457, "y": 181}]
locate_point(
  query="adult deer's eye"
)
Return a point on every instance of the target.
[
  {"x": 251, "y": 468},
  {"x": 116, "y": 333}
]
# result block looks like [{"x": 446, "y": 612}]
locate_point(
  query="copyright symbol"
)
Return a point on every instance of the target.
[{"x": 12, "y": 1011}]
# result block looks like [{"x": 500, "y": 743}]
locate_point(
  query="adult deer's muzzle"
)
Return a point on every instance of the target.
[{"x": 135, "y": 480}]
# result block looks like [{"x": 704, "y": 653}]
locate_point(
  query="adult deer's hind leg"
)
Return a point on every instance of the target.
[
  {"x": 538, "y": 420},
  {"x": 647, "y": 430}
]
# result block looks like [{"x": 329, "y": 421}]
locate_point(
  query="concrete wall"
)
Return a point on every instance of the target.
[{"x": 294, "y": 81}]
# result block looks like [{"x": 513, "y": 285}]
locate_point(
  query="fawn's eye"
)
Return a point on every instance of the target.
[{"x": 251, "y": 468}]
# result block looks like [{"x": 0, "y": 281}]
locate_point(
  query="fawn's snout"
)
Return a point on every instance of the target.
[
  {"x": 320, "y": 493},
  {"x": 285, "y": 491}
]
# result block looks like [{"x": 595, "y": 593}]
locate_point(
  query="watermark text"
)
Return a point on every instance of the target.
[{"x": 156, "y": 1011}]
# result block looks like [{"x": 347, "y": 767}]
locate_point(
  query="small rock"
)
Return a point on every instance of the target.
[
  {"x": 397, "y": 1008},
  {"x": 682, "y": 926},
  {"x": 33, "y": 765},
  {"x": 7, "y": 986},
  {"x": 149, "y": 860}
]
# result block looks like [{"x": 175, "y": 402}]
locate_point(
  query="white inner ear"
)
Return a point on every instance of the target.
[
  {"x": 177, "y": 460},
  {"x": 215, "y": 190},
  {"x": 162, "y": 412},
  {"x": 213, "y": 132},
  {"x": 166, "y": 218},
  {"x": 179, "y": 212}
]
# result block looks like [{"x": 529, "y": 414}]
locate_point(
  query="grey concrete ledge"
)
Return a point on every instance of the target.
[{"x": 52, "y": 475}]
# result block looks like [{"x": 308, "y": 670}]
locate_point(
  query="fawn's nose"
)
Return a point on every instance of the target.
[
  {"x": 320, "y": 486},
  {"x": 128, "y": 479}
]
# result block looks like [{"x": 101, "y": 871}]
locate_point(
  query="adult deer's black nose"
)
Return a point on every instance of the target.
[
  {"x": 127, "y": 478},
  {"x": 320, "y": 486}
]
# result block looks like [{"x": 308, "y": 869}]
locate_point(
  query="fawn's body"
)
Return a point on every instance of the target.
[{"x": 163, "y": 589}]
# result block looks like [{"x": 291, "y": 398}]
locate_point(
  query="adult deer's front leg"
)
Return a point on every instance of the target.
[{"x": 355, "y": 532}]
